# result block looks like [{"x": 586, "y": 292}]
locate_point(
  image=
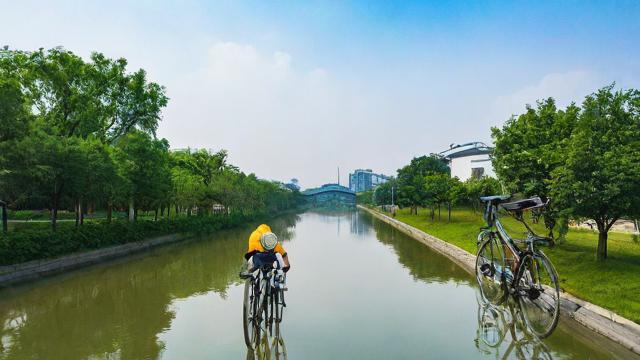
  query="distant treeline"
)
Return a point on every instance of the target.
[{"x": 80, "y": 136}]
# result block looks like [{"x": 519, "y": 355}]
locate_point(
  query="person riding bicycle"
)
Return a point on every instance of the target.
[{"x": 264, "y": 248}]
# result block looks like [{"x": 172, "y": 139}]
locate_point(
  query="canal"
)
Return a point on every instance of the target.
[{"x": 358, "y": 289}]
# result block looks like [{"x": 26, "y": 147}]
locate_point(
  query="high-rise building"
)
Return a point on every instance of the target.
[{"x": 365, "y": 179}]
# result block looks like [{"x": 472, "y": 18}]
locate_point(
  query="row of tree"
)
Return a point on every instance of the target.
[
  {"x": 80, "y": 135},
  {"x": 586, "y": 158},
  {"x": 426, "y": 182}
]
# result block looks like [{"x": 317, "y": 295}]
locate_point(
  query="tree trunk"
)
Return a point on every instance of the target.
[
  {"x": 109, "y": 211},
  {"x": 449, "y": 208},
  {"x": 602, "y": 241},
  {"x": 602, "y": 245},
  {"x": 162, "y": 211},
  {"x": 81, "y": 212},
  {"x": 132, "y": 215},
  {"x": 439, "y": 217},
  {"x": 155, "y": 217},
  {"x": 77, "y": 212},
  {"x": 135, "y": 214},
  {"x": 5, "y": 218}
]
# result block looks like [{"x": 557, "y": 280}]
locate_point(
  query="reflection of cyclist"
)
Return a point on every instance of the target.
[{"x": 264, "y": 248}]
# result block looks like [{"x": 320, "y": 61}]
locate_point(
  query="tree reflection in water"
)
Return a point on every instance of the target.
[
  {"x": 423, "y": 263},
  {"x": 119, "y": 309},
  {"x": 503, "y": 333}
]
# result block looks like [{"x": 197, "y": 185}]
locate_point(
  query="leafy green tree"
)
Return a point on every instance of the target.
[
  {"x": 600, "y": 176},
  {"x": 456, "y": 194},
  {"x": 529, "y": 147},
  {"x": 385, "y": 192},
  {"x": 476, "y": 188},
  {"x": 412, "y": 191},
  {"x": 14, "y": 113},
  {"x": 145, "y": 162}
]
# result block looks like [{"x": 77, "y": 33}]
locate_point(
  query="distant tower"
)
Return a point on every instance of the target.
[{"x": 338, "y": 175}]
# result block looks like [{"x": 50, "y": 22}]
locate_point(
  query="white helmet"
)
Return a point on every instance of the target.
[{"x": 269, "y": 241}]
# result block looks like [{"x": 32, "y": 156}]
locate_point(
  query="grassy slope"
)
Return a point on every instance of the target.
[{"x": 614, "y": 284}]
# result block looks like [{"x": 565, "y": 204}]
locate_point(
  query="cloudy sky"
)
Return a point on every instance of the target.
[{"x": 298, "y": 88}]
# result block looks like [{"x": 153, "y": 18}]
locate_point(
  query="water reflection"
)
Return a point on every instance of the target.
[
  {"x": 503, "y": 333},
  {"x": 423, "y": 263},
  {"x": 273, "y": 348},
  {"x": 120, "y": 308}
]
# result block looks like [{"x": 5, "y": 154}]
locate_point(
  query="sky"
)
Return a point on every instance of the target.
[{"x": 296, "y": 89}]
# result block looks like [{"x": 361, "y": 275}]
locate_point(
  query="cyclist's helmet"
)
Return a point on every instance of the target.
[{"x": 269, "y": 241}]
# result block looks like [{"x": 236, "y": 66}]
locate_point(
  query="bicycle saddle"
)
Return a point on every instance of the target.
[
  {"x": 526, "y": 204},
  {"x": 495, "y": 199}
]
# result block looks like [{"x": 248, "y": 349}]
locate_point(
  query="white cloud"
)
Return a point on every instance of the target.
[{"x": 565, "y": 88}]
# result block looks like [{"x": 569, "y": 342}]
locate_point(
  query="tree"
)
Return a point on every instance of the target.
[
  {"x": 145, "y": 162},
  {"x": 14, "y": 113},
  {"x": 600, "y": 176},
  {"x": 456, "y": 194},
  {"x": 411, "y": 180},
  {"x": 476, "y": 188},
  {"x": 385, "y": 192},
  {"x": 529, "y": 147}
]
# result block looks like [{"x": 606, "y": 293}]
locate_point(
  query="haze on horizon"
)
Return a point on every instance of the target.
[{"x": 296, "y": 89}]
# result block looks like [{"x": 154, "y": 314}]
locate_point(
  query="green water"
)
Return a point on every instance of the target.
[{"x": 358, "y": 289}]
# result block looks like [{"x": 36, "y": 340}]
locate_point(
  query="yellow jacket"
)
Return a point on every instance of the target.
[{"x": 254, "y": 242}]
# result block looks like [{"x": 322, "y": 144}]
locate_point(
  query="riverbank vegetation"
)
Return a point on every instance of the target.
[
  {"x": 584, "y": 159},
  {"x": 79, "y": 136},
  {"x": 612, "y": 284}
]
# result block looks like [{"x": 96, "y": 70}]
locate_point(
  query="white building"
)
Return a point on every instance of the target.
[{"x": 469, "y": 160}]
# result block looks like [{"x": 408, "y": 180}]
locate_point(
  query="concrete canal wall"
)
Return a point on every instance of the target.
[
  {"x": 32, "y": 270},
  {"x": 594, "y": 317}
]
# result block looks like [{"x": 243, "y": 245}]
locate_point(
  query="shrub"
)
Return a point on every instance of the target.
[{"x": 41, "y": 243}]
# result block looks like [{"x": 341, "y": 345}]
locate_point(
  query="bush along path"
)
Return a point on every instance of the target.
[
  {"x": 37, "y": 244},
  {"x": 456, "y": 240}
]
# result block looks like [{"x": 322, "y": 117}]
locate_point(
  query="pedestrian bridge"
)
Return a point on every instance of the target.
[{"x": 330, "y": 195}]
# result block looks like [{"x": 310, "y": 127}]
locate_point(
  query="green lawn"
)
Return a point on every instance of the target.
[{"x": 613, "y": 284}]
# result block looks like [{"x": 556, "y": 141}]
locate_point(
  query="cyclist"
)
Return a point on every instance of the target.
[{"x": 264, "y": 248}]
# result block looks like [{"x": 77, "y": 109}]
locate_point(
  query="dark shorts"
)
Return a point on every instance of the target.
[{"x": 266, "y": 258}]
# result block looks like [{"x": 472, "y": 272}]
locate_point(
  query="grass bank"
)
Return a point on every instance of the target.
[{"x": 613, "y": 284}]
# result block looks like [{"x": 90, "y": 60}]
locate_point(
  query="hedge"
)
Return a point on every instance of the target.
[{"x": 34, "y": 244}]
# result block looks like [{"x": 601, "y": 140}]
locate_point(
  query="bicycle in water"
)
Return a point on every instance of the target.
[
  {"x": 263, "y": 308},
  {"x": 507, "y": 266}
]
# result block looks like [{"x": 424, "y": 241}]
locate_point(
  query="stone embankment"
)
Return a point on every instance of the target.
[{"x": 32, "y": 270}]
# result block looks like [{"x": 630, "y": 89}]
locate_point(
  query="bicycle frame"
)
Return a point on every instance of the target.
[{"x": 506, "y": 241}]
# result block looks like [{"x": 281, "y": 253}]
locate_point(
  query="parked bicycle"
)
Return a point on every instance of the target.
[
  {"x": 263, "y": 309},
  {"x": 507, "y": 266}
]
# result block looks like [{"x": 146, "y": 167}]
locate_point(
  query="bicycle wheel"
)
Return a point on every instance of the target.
[
  {"x": 248, "y": 315},
  {"x": 490, "y": 271},
  {"x": 538, "y": 294}
]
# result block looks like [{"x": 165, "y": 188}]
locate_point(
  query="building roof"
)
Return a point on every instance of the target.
[
  {"x": 328, "y": 188},
  {"x": 468, "y": 149}
]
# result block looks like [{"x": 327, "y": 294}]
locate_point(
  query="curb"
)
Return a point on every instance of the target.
[
  {"x": 32, "y": 270},
  {"x": 602, "y": 321}
]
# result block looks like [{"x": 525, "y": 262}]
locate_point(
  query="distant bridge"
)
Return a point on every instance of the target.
[{"x": 330, "y": 195}]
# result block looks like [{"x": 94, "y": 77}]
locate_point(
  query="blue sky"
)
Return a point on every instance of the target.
[{"x": 297, "y": 88}]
